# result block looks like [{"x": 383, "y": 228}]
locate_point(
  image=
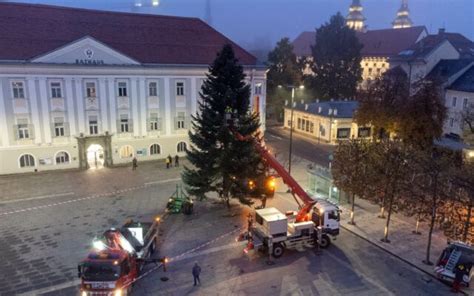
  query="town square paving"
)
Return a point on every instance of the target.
[{"x": 44, "y": 236}]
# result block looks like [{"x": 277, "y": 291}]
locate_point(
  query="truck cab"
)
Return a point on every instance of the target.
[
  {"x": 107, "y": 273},
  {"x": 327, "y": 215}
]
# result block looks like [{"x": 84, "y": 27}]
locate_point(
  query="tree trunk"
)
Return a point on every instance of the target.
[
  {"x": 467, "y": 224},
  {"x": 352, "y": 210},
  {"x": 385, "y": 238},
  {"x": 433, "y": 219},
  {"x": 382, "y": 207}
]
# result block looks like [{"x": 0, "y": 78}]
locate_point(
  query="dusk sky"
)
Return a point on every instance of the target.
[{"x": 259, "y": 23}]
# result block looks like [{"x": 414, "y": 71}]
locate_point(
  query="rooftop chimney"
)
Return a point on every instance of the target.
[
  {"x": 306, "y": 106},
  {"x": 335, "y": 112}
]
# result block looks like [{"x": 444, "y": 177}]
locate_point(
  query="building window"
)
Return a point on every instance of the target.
[
  {"x": 23, "y": 131},
  {"x": 464, "y": 103},
  {"x": 307, "y": 125},
  {"x": 154, "y": 123},
  {"x": 126, "y": 151},
  {"x": 454, "y": 101},
  {"x": 90, "y": 90},
  {"x": 258, "y": 88},
  {"x": 122, "y": 89},
  {"x": 298, "y": 125},
  {"x": 59, "y": 130},
  {"x": 56, "y": 90},
  {"x": 124, "y": 124},
  {"x": 155, "y": 149},
  {"x": 27, "y": 160},
  {"x": 62, "y": 158},
  {"x": 311, "y": 127},
  {"x": 451, "y": 122},
  {"x": 180, "y": 121},
  {"x": 180, "y": 88},
  {"x": 181, "y": 147},
  {"x": 343, "y": 133},
  {"x": 153, "y": 89},
  {"x": 363, "y": 132},
  {"x": 93, "y": 125},
  {"x": 18, "y": 90},
  {"x": 370, "y": 71}
]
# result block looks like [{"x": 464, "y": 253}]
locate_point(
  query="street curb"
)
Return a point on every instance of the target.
[{"x": 396, "y": 256}]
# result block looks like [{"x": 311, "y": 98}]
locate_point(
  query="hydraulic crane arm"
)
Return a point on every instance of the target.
[{"x": 296, "y": 189}]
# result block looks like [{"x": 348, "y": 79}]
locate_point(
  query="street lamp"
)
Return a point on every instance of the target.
[{"x": 291, "y": 121}]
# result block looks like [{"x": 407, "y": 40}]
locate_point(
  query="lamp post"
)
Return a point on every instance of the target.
[{"x": 291, "y": 122}]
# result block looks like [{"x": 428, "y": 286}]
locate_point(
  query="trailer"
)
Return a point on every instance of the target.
[{"x": 117, "y": 258}]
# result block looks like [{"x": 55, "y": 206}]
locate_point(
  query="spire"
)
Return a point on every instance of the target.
[
  {"x": 355, "y": 19},
  {"x": 403, "y": 17},
  {"x": 208, "y": 17}
]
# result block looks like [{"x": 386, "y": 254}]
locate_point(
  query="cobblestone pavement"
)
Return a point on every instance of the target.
[{"x": 43, "y": 237}]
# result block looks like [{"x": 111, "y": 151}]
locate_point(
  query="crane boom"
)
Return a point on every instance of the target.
[{"x": 296, "y": 189}]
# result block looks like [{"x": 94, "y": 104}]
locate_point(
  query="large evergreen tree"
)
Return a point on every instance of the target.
[
  {"x": 217, "y": 157},
  {"x": 283, "y": 70},
  {"x": 337, "y": 58}
]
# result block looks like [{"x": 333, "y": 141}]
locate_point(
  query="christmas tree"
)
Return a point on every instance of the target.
[{"x": 218, "y": 158}]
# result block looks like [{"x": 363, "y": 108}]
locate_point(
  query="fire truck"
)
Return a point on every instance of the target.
[
  {"x": 274, "y": 231},
  {"x": 117, "y": 258},
  {"x": 455, "y": 255}
]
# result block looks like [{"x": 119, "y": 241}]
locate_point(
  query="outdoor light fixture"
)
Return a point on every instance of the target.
[{"x": 155, "y": 3}]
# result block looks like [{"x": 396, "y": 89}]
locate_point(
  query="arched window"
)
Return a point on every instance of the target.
[
  {"x": 181, "y": 147},
  {"x": 126, "y": 151},
  {"x": 27, "y": 160},
  {"x": 62, "y": 157},
  {"x": 155, "y": 149}
]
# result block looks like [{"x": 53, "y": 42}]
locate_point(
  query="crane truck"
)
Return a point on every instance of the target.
[
  {"x": 274, "y": 232},
  {"x": 117, "y": 258}
]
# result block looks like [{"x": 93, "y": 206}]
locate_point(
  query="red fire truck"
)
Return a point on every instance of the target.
[{"x": 117, "y": 258}]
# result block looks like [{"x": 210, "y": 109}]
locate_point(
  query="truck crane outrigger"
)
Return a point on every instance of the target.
[{"x": 274, "y": 231}]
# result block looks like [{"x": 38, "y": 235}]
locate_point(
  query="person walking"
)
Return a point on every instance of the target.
[
  {"x": 176, "y": 161},
  {"x": 169, "y": 160},
  {"x": 196, "y": 273},
  {"x": 134, "y": 163}
]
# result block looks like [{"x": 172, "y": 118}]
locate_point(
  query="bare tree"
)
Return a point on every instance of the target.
[{"x": 349, "y": 169}]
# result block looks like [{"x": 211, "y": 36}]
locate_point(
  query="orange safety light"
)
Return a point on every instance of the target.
[{"x": 271, "y": 183}]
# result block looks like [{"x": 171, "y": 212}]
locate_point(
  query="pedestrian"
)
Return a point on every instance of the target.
[
  {"x": 176, "y": 161},
  {"x": 167, "y": 163},
  {"x": 134, "y": 163},
  {"x": 458, "y": 275},
  {"x": 196, "y": 273},
  {"x": 170, "y": 160}
]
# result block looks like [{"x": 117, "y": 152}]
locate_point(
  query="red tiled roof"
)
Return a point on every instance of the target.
[
  {"x": 27, "y": 31},
  {"x": 385, "y": 42}
]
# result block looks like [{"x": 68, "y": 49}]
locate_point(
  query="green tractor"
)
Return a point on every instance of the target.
[{"x": 179, "y": 202}]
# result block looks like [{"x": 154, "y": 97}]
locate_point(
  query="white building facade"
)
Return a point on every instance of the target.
[{"x": 86, "y": 105}]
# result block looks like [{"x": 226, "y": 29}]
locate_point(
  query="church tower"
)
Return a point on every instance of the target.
[
  {"x": 403, "y": 19},
  {"x": 355, "y": 19}
]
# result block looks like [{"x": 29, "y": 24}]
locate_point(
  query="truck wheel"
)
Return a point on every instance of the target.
[
  {"x": 278, "y": 250},
  {"x": 325, "y": 241}
]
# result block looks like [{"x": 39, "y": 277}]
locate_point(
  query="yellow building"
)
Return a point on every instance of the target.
[
  {"x": 328, "y": 122},
  {"x": 378, "y": 47}
]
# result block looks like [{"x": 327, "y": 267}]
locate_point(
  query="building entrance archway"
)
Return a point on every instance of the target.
[
  {"x": 95, "y": 156},
  {"x": 95, "y": 151}
]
